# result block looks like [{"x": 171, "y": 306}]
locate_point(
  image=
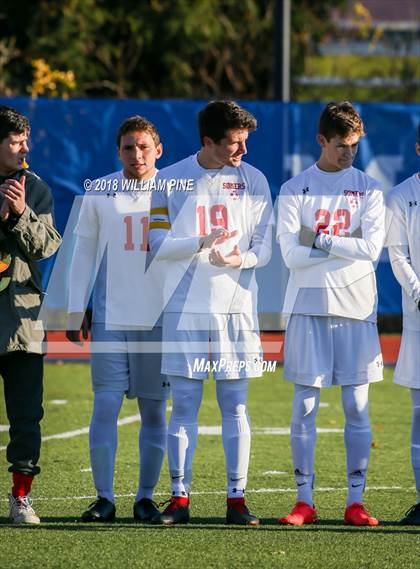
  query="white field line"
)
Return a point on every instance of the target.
[
  {"x": 223, "y": 492},
  {"x": 215, "y": 430},
  {"x": 85, "y": 430}
]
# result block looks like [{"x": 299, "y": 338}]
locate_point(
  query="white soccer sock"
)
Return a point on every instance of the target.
[
  {"x": 103, "y": 440},
  {"x": 357, "y": 438},
  {"x": 236, "y": 433},
  {"x": 183, "y": 431},
  {"x": 415, "y": 439},
  {"x": 152, "y": 444},
  {"x": 303, "y": 439}
]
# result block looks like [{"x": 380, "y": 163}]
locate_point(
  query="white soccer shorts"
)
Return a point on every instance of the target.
[
  {"x": 228, "y": 345},
  {"x": 127, "y": 365},
  {"x": 322, "y": 351},
  {"x": 407, "y": 370}
]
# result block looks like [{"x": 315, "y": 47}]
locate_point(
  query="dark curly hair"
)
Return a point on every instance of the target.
[
  {"x": 220, "y": 116},
  {"x": 11, "y": 121}
]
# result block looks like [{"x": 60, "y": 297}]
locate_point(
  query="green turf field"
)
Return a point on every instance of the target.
[{"x": 64, "y": 489}]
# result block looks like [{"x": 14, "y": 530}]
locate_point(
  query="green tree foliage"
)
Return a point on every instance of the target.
[
  {"x": 157, "y": 48},
  {"x": 311, "y": 24},
  {"x": 153, "y": 48}
]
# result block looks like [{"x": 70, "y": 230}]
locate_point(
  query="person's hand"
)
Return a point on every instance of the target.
[
  {"x": 216, "y": 237},
  {"x": 73, "y": 330},
  {"x": 306, "y": 236},
  {"x": 13, "y": 192},
  {"x": 4, "y": 211},
  {"x": 232, "y": 259}
]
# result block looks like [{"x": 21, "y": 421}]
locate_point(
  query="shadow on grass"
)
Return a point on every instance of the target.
[
  {"x": 211, "y": 524},
  {"x": 338, "y": 526}
]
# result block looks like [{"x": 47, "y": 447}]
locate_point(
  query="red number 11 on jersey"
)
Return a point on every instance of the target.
[{"x": 129, "y": 243}]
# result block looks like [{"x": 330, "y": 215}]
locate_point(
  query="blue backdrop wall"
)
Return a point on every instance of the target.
[{"x": 75, "y": 139}]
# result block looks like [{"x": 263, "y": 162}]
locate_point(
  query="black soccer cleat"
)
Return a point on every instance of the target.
[
  {"x": 101, "y": 510},
  {"x": 411, "y": 516},
  {"x": 177, "y": 512},
  {"x": 145, "y": 510},
  {"x": 238, "y": 514}
]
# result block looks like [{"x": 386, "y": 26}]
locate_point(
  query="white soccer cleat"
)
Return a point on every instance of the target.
[{"x": 21, "y": 511}]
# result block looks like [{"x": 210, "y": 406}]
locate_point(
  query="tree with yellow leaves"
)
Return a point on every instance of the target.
[{"x": 51, "y": 82}]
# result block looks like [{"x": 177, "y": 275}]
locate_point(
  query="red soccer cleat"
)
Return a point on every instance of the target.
[
  {"x": 237, "y": 513},
  {"x": 177, "y": 512},
  {"x": 357, "y": 515},
  {"x": 301, "y": 514}
]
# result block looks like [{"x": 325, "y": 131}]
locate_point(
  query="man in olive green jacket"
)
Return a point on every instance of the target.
[{"x": 27, "y": 234}]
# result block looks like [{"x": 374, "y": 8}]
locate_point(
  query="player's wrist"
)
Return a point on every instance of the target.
[{"x": 238, "y": 263}]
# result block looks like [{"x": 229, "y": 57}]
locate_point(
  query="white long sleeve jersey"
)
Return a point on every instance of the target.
[
  {"x": 111, "y": 251},
  {"x": 346, "y": 209},
  {"x": 188, "y": 203},
  {"x": 403, "y": 242}
]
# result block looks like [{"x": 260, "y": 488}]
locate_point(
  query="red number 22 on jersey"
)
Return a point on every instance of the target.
[{"x": 340, "y": 222}]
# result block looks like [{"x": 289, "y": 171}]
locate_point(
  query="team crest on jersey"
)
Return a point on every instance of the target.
[
  {"x": 353, "y": 197},
  {"x": 236, "y": 189}
]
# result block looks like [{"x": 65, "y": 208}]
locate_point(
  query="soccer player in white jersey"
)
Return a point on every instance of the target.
[
  {"x": 403, "y": 241},
  {"x": 211, "y": 223},
  {"x": 331, "y": 231},
  {"x": 112, "y": 233}
]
